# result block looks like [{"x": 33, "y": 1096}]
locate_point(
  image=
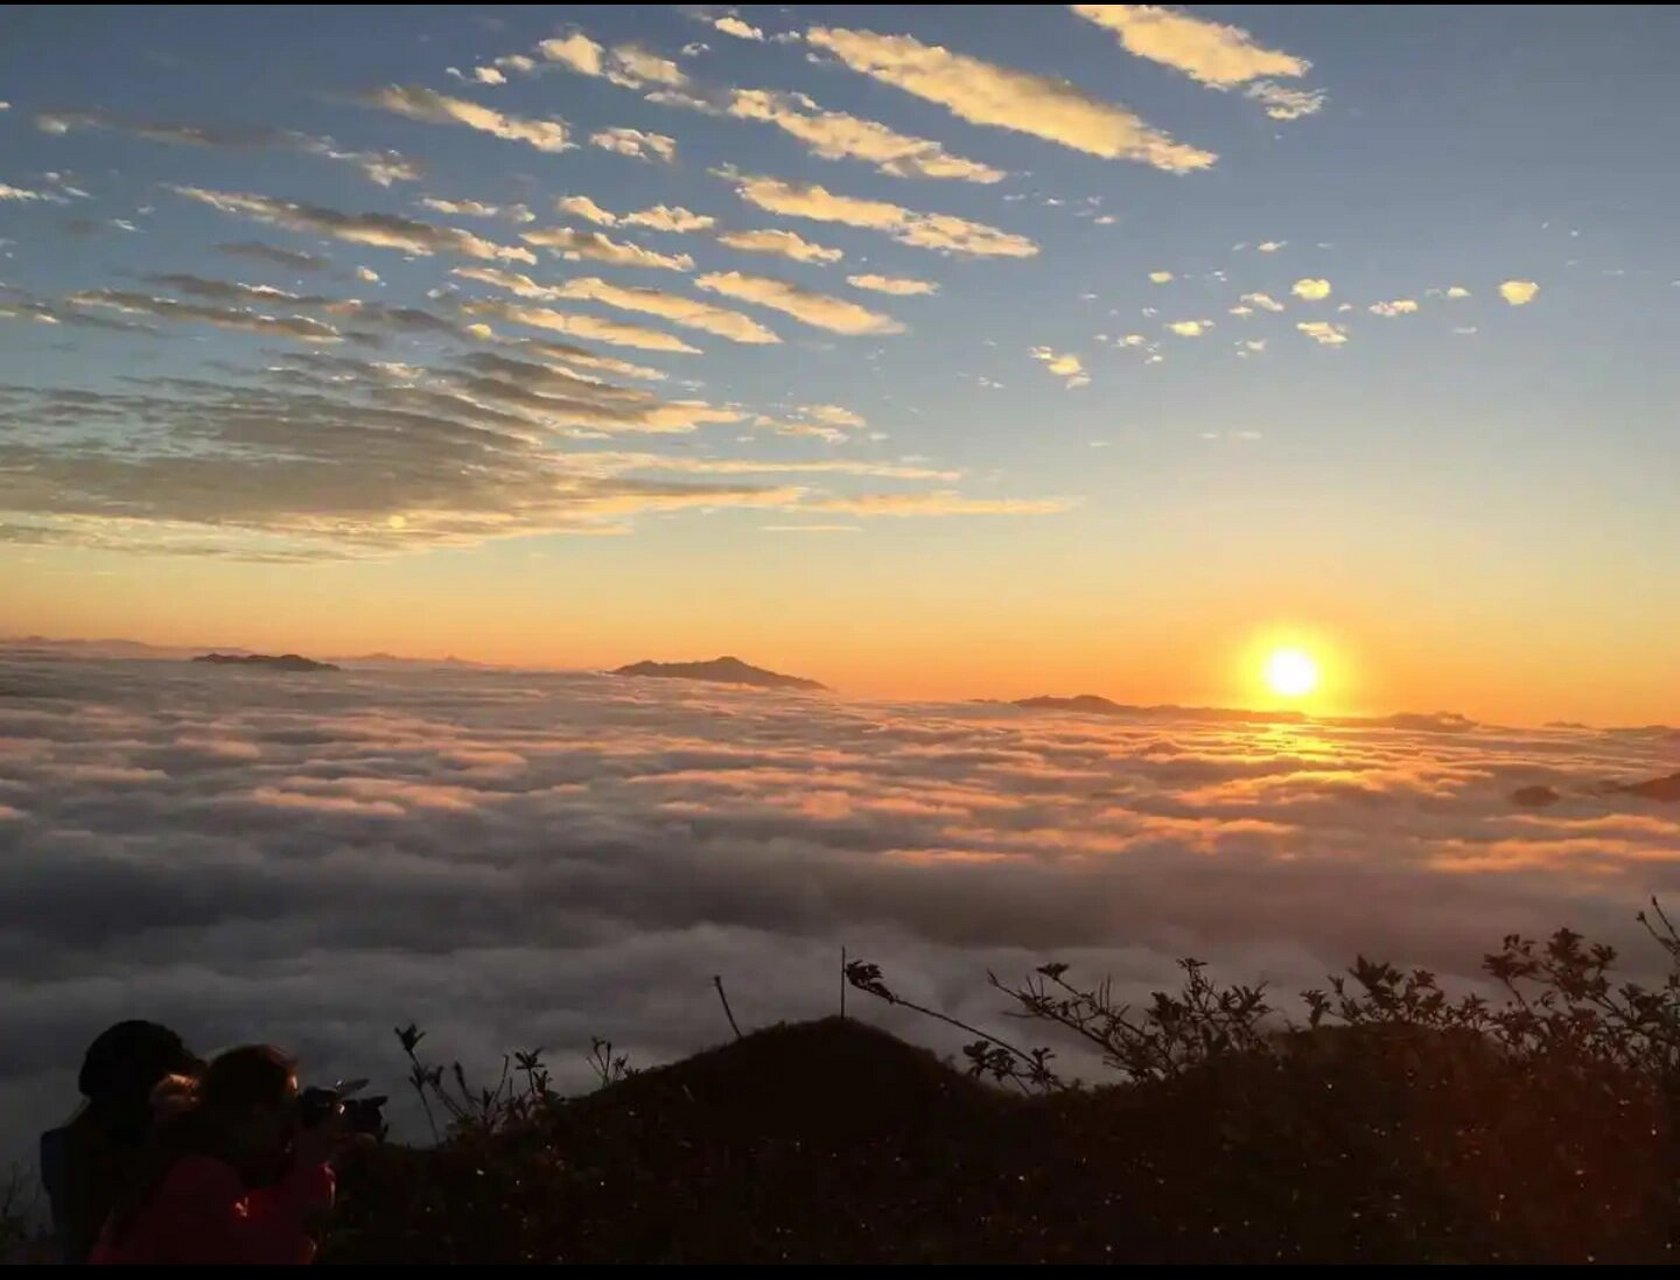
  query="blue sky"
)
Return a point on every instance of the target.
[{"x": 1029, "y": 454}]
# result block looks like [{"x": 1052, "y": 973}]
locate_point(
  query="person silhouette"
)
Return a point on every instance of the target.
[{"x": 87, "y": 1161}]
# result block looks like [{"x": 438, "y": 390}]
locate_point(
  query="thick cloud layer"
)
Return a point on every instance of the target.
[{"x": 514, "y": 859}]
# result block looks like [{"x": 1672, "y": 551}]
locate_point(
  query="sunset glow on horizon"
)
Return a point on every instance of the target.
[
  {"x": 1086, "y": 358},
  {"x": 698, "y": 536}
]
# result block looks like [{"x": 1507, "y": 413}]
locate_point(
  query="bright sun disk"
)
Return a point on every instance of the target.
[{"x": 1291, "y": 673}]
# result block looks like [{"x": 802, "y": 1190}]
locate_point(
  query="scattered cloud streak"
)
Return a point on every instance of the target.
[
  {"x": 782, "y": 244},
  {"x": 819, "y": 310},
  {"x": 1211, "y": 53},
  {"x": 690, "y": 312},
  {"x": 1323, "y": 332},
  {"x": 381, "y": 167},
  {"x": 426, "y": 104},
  {"x": 984, "y": 93},
  {"x": 939, "y": 231},
  {"x": 902, "y": 286},
  {"x": 1064, "y": 365},
  {"x": 595, "y": 247},
  {"x": 835, "y": 135},
  {"x": 380, "y": 230},
  {"x": 636, "y": 143}
]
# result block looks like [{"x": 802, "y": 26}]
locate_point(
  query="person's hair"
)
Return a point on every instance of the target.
[
  {"x": 241, "y": 1080},
  {"x": 121, "y": 1067},
  {"x": 201, "y": 1117}
]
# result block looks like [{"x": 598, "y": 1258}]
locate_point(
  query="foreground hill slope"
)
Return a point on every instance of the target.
[{"x": 834, "y": 1142}]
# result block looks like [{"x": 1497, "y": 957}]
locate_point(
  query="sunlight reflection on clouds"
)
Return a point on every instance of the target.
[{"x": 513, "y": 857}]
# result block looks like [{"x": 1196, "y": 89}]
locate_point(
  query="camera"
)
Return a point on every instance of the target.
[{"x": 361, "y": 1115}]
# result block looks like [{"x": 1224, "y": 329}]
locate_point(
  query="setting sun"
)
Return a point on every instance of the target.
[{"x": 1291, "y": 673}]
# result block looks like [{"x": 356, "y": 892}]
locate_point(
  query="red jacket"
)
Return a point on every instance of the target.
[{"x": 203, "y": 1214}]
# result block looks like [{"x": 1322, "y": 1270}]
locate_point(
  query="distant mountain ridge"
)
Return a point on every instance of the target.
[
  {"x": 1095, "y": 705},
  {"x": 282, "y": 662},
  {"x": 725, "y": 670}
]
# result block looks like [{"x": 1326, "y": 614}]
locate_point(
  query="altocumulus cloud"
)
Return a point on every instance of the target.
[
  {"x": 1211, "y": 53},
  {"x": 819, "y": 310},
  {"x": 514, "y": 858},
  {"x": 940, "y": 231},
  {"x": 426, "y": 104},
  {"x": 984, "y": 93}
]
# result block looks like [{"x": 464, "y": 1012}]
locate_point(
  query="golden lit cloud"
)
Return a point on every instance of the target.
[
  {"x": 584, "y": 207},
  {"x": 1323, "y": 332},
  {"x": 1398, "y": 307},
  {"x": 477, "y": 209},
  {"x": 1211, "y": 53},
  {"x": 627, "y": 65},
  {"x": 783, "y": 244},
  {"x": 1190, "y": 328},
  {"x": 611, "y": 332},
  {"x": 1311, "y": 290},
  {"x": 690, "y": 312},
  {"x": 595, "y": 247},
  {"x": 577, "y": 52},
  {"x": 816, "y": 309},
  {"x": 1160, "y": 277},
  {"x": 985, "y": 93},
  {"x": 659, "y": 217},
  {"x": 925, "y": 230},
  {"x": 1263, "y": 300},
  {"x": 1519, "y": 293},
  {"x": 426, "y": 104},
  {"x": 903, "y": 286},
  {"x": 672, "y": 218},
  {"x": 1064, "y": 365},
  {"x": 635, "y": 143},
  {"x": 834, "y": 135},
  {"x": 732, "y": 25},
  {"x": 1457, "y": 291}
]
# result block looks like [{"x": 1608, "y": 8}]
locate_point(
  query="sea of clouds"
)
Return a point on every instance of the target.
[{"x": 515, "y": 860}]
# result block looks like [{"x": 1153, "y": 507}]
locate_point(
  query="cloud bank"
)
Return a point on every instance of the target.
[{"x": 511, "y": 858}]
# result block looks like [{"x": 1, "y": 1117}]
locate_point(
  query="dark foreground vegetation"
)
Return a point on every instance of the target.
[{"x": 1390, "y": 1123}]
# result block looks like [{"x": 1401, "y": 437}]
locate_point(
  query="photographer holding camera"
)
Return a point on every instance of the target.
[{"x": 235, "y": 1175}]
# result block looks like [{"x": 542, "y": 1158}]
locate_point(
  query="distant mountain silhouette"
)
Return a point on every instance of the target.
[
  {"x": 719, "y": 670},
  {"x": 284, "y": 662},
  {"x": 1665, "y": 789},
  {"x": 1426, "y": 722},
  {"x": 1092, "y": 704}
]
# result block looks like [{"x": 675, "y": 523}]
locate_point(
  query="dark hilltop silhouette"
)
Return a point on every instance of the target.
[
  {"x": 724, "y": 670},
  {"x": 1095, "y": 705},
  {"x": 1666, "y": 789},
  {"x": 284, "y": 662}
]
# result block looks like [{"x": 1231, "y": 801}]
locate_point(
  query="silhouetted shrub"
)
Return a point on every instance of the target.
[{"x": 1388, "y": 1122}]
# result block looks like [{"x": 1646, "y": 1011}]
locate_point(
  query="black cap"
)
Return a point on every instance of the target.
[{"x": 126, "y": 1060}]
